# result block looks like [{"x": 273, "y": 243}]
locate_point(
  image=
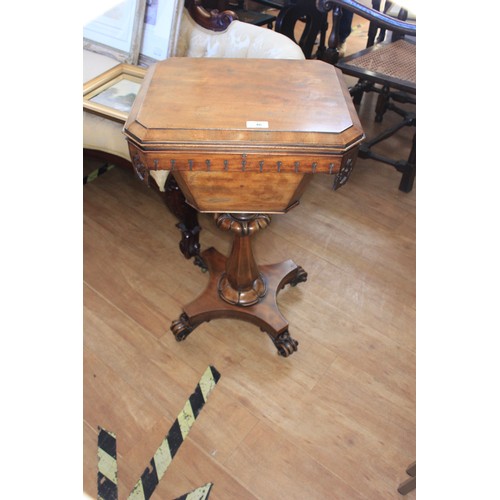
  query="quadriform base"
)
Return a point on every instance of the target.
[{"x": 240, "y": 289}]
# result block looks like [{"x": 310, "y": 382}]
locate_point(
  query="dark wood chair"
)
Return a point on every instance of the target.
[
  {"x": 376, "y": 34},
  {"x": 386, "y": 67},
  {"x": 314, "y": 23}
]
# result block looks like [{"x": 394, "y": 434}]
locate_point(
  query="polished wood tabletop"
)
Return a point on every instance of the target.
[{"x": 244, "y": 102}]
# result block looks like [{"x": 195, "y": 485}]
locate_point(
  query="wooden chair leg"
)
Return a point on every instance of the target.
[
  {"x": 408, "y": 177},
  {"x": 382, "y": 104},
  {"x": 188, "y": 221},
  {"x": 411, "y": 483}
]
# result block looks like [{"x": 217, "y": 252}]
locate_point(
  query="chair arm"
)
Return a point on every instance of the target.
[{"x": 383, "y": 20}]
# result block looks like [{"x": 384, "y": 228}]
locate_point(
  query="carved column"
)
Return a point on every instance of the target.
[{"x": 242, "y": 284}]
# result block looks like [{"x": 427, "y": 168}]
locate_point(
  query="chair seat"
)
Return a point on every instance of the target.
[{"x": 392, "y": 63}]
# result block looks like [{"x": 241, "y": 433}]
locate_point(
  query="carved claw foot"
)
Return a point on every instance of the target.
[
  {"x": 300, "y": 277},
  {"x": 181, "y": 328},
  {"x": 285, "y": 344}
]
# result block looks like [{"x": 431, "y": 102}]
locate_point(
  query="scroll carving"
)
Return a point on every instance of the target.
[{"x": 212, "y": 20}]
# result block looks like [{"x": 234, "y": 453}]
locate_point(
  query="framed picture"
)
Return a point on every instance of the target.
[
  {"x": 160, "y": 31},
  {"x": 112, "y": 93},
  {"x": 136, "y": 31},
  {"x": 118, "y": 31}
]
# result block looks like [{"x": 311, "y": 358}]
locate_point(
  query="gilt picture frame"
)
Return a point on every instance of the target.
[{"x": 112, "y": 93}]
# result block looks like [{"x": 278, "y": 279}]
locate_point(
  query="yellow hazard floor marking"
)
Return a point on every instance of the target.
[
  {"x": 165, "y": 453},
  {"x": 199, "y": 493},
  {"x": 107, "y": 465},
  {"x": 162, "y": 458},
  {"x": 186, "y": 419},
  {"x": 207, "y": 383},
  {"x": 137, "y": 493}
]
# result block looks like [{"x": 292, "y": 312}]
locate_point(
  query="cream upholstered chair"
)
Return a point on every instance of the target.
[
  {"x": 239, "y": 40},
  {"x": 103, "y": 137}
]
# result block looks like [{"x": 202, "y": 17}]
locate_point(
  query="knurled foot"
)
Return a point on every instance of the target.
[
  {"x": 300, "y": 277},
  {"x": 285, "y": 344},
  {"x": 181, "y": 328}
]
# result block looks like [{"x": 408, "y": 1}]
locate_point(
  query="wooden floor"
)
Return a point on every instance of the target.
[{"x": 336, "y": 420}]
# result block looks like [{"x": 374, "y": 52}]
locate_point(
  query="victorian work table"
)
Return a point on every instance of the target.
[{"x": 243, "y": 138}]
